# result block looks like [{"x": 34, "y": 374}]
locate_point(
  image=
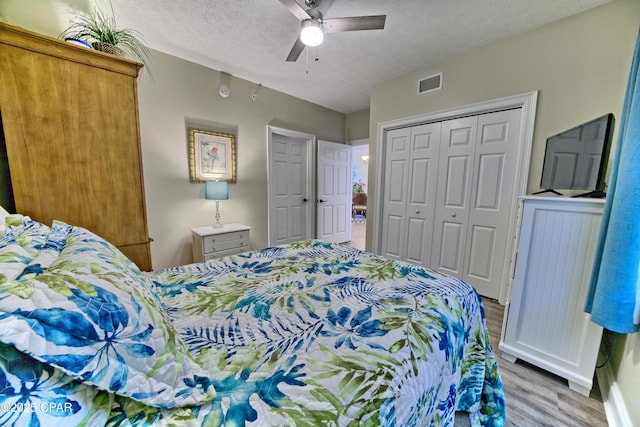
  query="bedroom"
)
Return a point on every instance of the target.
[{"x": 174, "y": 205}]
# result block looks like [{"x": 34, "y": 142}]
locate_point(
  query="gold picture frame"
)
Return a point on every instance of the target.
[{"x": 212, "y": 156}]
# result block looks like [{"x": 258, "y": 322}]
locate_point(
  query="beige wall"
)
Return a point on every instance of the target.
[
  {"x": 580, "y": 67},
  {"x": 357, "y": 126},
  {"x": 50, "y": 17},
  {"x": 181, "y": 94}
]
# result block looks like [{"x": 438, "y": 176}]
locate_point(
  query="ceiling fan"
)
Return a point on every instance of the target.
[{"x": 314, "y": 25}]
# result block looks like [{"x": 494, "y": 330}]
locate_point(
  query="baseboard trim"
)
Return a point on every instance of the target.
[{"x": 614, "y": 406}]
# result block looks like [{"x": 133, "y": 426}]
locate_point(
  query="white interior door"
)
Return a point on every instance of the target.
[
  {"x": 422, "y": 190},
  {"x": 457, "y": 152},
  {"x": 396, "y": 175},
  {"x": 412, "y": 162},
  {"x": 290, "y": 187},
  {"x": 334, "y": 192},
  {"x": 491, "y": 201}
]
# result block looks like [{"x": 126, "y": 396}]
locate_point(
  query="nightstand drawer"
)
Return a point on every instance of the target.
[
  {"x": 234, "y": 251},
  {"x": 224, "y": 245},
  {"x": 211, "y": 242},
  {"x": 225, "y": 238}
]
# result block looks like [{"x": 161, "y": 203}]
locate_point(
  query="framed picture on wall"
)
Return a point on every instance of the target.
[{"x": 212, "y": 156}]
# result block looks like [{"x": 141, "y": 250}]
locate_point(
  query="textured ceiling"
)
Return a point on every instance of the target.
[{"x": 250, "y": 39}]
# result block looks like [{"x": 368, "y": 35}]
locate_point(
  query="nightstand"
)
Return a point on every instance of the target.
[{"x": 211, "y": 242}]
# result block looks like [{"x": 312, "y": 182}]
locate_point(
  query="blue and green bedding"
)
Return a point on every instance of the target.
[{"x": 305, "y": 334}]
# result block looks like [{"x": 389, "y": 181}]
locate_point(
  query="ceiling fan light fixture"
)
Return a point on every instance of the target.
[{"x": 312, "y": 33}]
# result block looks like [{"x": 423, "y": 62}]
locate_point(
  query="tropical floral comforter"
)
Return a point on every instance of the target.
[{"x": 305, "y": 334}]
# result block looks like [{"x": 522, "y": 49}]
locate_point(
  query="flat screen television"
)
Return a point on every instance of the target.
[{"x": 577, "y": 159}]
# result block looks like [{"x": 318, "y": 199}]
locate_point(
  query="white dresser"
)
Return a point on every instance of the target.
[
  {"x": 545, "y": 323},
  {"x": 211, "y": 242}
]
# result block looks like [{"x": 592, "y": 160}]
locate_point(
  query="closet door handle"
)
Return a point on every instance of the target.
[{"x": 453, "y": 215}]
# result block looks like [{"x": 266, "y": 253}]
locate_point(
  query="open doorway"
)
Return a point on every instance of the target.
[{"x": 359, "y": 177}]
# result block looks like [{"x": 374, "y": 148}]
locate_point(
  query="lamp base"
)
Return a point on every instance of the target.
[{"x": 218, "y": 224}]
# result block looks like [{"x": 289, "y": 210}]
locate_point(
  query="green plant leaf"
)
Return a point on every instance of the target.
[{"x": 100, "y": 27}]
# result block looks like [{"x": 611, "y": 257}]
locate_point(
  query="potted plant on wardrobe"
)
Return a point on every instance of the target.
[{"x": 100, "y": 31}]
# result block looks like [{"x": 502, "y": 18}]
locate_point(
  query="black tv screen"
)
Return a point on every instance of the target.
[{"x": 577, "y": 159}]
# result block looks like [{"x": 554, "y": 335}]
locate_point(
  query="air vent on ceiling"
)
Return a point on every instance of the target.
[{"x": 429, "y": 84}]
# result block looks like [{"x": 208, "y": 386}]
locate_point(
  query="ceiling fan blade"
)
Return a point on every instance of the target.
[
  {"x": 296, "y": 9},
  {"x": 296, "y": 50},
  {"x": 354, "y": 23}
]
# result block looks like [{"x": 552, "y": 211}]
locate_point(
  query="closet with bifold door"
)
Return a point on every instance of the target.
[{"x": 449, "y": 195}]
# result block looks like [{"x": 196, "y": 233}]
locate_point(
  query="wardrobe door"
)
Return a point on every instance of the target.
[{"x": 457, "y": 151}]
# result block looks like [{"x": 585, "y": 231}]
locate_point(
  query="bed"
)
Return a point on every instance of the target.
[{"x": 304, "y": 334}]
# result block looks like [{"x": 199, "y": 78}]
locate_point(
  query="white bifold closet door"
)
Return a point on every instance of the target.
[
  {"x": 449, "y": 196},
  {"x": 411, "y": 175}
]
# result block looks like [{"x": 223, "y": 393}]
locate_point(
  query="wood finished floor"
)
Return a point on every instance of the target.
[
  {"x": 534, "y": 397},
  {"x": 358, "y": 234},
  {"x": 538, "y": 398}
]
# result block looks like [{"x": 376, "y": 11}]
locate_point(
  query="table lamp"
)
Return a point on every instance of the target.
[{"x": 216, "y": 190}]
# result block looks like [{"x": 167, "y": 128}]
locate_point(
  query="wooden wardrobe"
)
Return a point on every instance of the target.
[{"x": 71, "y": 129}]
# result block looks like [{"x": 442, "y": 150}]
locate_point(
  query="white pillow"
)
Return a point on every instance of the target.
[{"x": 3, "y": 215}]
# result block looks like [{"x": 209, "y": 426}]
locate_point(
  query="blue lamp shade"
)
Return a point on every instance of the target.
[{"x": 216, "y": 190}]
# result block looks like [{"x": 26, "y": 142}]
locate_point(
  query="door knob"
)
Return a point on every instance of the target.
[
  {"x": 453, "y": 215},
  {"x": 305, "y": 200},
  {"x": 320, "y": 201},
  {"x": 417, "y": 211}
]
